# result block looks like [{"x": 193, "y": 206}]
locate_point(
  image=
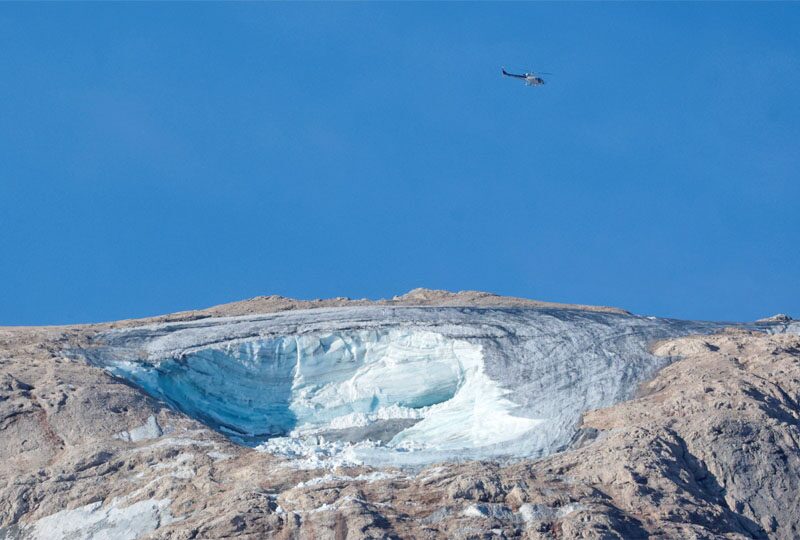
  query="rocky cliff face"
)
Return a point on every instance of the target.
[{"x": 363, "y": 421}]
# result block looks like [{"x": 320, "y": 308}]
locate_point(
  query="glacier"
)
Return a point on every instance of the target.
[
  {"x": 394, "y": 385},
  {"x": 312, "y": 383}
]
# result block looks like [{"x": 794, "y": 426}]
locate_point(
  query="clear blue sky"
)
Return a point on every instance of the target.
[{"x": 160, "y": 157}]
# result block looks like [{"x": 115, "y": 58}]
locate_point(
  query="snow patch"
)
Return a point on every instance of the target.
[
  {"x": 150, "y": 430},
  {"x": 540, "y": 512},
  {"x": 218, "y": 456},
  {"x": 95, "y": 521},
  {"x": 333, "y": 478},
  {"x": 488, "y": 510}
]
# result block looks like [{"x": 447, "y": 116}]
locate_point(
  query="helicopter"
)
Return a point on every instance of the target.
[{"x": 530, "y": 78}]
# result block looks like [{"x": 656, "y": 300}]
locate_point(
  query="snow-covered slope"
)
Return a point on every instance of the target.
[{"x": 395, "y": 385}]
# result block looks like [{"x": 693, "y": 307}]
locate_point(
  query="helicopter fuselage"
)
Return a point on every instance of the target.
[{"x": 530, "y": 78}]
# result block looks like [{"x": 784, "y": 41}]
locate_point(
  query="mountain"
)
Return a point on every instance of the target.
[{"x": 432, "y": 414}]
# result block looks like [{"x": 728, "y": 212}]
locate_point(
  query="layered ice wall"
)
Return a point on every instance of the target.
[
  {"x": 395, "y": 385},
  {"x": 333, "y": 382}
]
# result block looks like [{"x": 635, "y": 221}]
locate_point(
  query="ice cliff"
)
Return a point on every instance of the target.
[{"x": 398, "y": 385}]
